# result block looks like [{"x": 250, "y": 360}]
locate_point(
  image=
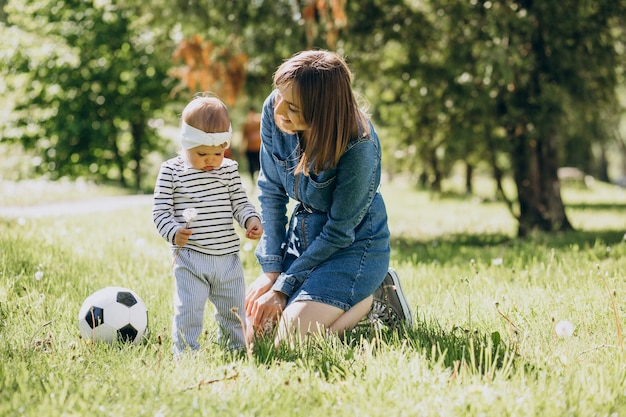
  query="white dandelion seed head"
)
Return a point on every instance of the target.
[
  {"x": 190, "y": 214},
  {"x": 497, "y": 261},
  {"x": 38, "y": 275},
  {"x": 564, "y": 328},
  {"x": 22, "y": 221}
]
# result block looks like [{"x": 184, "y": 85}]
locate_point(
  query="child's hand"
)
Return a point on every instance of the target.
[
  {"x": 254, "y": 230},
  {"x": 182, "y": 236}
]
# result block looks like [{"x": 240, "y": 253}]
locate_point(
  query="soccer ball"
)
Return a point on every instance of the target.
[{"x": 113, "y": 314}]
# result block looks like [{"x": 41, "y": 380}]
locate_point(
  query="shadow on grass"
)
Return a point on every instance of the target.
[
  {"x": 459, "y": 350},
  {"x": 460, "y": 248},
  {"x": 618, "y": 207}
]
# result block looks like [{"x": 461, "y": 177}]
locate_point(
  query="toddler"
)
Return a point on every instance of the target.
[{"x": 196, "y": 197}]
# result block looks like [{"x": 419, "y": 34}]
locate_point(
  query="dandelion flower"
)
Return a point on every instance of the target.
[
  {"x": 38, "y": 275},
  {"x": 190, "y": 214},
  {"x": 564, "y": 328},
  {"x": 496, "y": 261}
]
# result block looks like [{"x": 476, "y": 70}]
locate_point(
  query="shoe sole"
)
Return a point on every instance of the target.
[{"x": 403, "y": 303}]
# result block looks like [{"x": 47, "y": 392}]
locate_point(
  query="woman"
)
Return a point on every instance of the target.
[{"x": 320, "y": 270}]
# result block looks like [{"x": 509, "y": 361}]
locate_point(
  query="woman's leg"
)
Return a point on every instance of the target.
[
  {"x": 352, "y": 317},
  {"x": 302, "y": 318}
]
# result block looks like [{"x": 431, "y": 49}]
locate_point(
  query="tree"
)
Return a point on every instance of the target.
[
  {"x": 94, "y": 80},
  {"x": 558, "y": 54},
  {"x": 97, "y": 71},
  {"x": 475, "y": 80}
]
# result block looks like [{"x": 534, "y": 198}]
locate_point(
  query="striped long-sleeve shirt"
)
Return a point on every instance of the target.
[{"x": 217, "y": 195}]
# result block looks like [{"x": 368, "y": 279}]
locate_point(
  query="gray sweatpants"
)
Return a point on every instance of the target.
[{"x": 219, "y": 279}]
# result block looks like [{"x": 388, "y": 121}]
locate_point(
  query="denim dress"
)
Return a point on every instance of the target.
[{"x": 334, "y": 248}]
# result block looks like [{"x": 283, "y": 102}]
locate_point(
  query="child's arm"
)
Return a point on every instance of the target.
[{"x": 163, "y": 208}]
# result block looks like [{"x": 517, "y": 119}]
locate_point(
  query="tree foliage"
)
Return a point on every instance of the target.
[
  {"x": 209, "y": 67},
  {"x": 93, "y": 82},
  {"x": 500, "y": 82},
  {"x": 519, "y": 86}
]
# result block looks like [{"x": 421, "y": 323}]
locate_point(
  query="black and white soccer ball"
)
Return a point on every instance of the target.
[{"x": 113, "y": 314}]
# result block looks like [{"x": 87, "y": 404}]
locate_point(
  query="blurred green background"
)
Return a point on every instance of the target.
[{"x": 92, "y": 90}]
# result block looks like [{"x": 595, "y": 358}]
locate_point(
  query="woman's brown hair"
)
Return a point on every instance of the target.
[{"x": 322, "y": 81}]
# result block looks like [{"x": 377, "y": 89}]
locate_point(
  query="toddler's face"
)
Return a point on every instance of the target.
[{"x": 205, "y": 158}]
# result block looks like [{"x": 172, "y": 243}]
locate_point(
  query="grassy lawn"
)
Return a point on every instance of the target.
[{"x": 486, "y": 339}]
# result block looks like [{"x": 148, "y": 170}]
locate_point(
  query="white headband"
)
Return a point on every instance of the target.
[{"x": 192, "y": 137}]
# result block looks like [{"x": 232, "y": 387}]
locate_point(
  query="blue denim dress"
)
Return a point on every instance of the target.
[{"x": 335, "y": 247}]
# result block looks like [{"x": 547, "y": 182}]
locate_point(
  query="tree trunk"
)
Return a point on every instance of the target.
[
  {"x": 469, "y": 174},
  {"x": 119, "y": 160},
  {"x": 533, "y": 138},
  {"x": 535, "y": 168},
  {"x": 603, "y": 165},
  {"x": 138, "y": 131},
  {"x": 437, "y": 175},
  {"x": 622, "y": 147}
]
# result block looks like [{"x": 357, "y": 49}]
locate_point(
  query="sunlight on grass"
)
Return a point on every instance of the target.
[{"x": 37, "y": 192}]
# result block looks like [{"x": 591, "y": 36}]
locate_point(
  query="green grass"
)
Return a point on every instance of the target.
[{"x": 483, "y": 343}]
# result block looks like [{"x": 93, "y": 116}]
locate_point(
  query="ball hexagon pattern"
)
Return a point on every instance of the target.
[{"x": 113, "y": 314}]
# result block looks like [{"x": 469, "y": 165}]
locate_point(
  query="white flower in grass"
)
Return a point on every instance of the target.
[
  {"x": 497, "y": 261},
  {"x": 190, "y": 214},
  {"x": 564, "y": 328},
  {"x": 38, "y": 275}
]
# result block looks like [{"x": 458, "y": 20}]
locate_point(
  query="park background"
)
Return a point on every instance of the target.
[{"x": 479, "y": 105}]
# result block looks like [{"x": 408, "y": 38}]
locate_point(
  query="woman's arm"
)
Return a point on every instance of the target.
[
  {"x": 357, "y": 181},
  {"x": 273, "y": 197}
]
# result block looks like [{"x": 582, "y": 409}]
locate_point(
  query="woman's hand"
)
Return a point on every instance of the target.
[
  {"x": 260, "y": 286},
  {"x": 267, "y": 309},
  {"x": 263, "y": 304}
]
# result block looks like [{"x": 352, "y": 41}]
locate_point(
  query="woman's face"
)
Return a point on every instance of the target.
[{"x": 287, "y": 111}]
